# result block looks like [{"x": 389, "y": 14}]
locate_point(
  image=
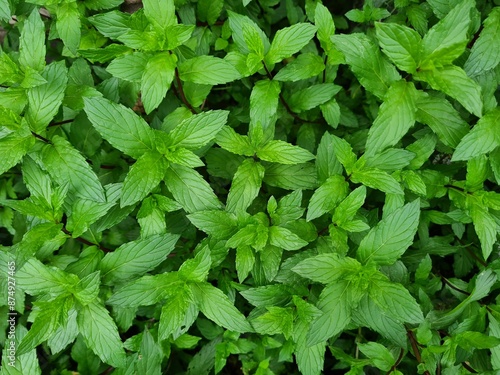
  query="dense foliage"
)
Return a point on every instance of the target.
[{"x": 249, "y": 187}]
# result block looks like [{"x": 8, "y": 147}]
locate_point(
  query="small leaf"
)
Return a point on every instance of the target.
[
  {"x": 208, "y": 70},
  {"x": 245, "y": 186},
  {"x": 264, "y": 102},
  {"x": 156, "y": 79},
  {"x": 327, "y": 196},
  {"x": 32, "y": 42},
  {"x": 289, "y": 40},
  {"x": 283, "y": 153},
  {"x": 68, "y": 25},
  {"x": 306, "y": 65},
  {"x": 161, "y": 13}
]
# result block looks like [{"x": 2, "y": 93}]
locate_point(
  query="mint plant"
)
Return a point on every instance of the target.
[{"x": 249, "y": 187}]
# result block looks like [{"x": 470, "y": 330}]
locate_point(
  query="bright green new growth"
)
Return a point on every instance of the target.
[{"x": 256, "y": 186}]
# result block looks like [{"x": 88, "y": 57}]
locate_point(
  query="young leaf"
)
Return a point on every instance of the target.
[
  {"x": 32, "y": 42},
  {"x": 264, "y": 102},
  {"x": 289, "y": 40},
  {"x": 401, "y": 44},
  {"x": 485, "y": 227},
  {"x": 346, "y": 210},
  {"x": 372, "y": 70},
  {"x": 283, "y": 153},
  {"x": 85, "y": 212},
  {"x": 174, "y": 312},
  {"x": 100, "y": 333},
  {"x": 395, "y": 117},
  {"x": 137, "y": 257},
  {"x": 377, "y": 179},
  {"x": 12, "y": 149},
  {"x": 237, "y": 23},
  {"x": 326, "y": 27},
  {"x": 327, "y": 196},
  {"x": 190, "y": 189},
  {"x": 196, "y": 131},
  {"x": 129, "y": 67},
  {"x": 245, "y": 260},
  {"x": 312, "y": 96},
  {"x": 44, "y": 100},
  {"x": 208, "y": 70},
  {"x": 291, "y": 177},
  {"x": 285, "y": 239},
  {"x": 390, "y": 238},
  {"x": 326, "y": 268},
  {"x": 306, "y": 65},
  {"x": 245, "y": 187},
  {"x": 217, "y": 307},
  {"x": 120, "y": 126},
  {"x": 219, "y": 224},
  {"x": 143, "y": 177},
  {"x": 156, "y": 79},
  {"x": 196, "y": 269},
  {"x": 233, "y": 142}
]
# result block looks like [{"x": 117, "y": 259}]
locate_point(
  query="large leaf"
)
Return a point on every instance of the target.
[
  {"x": 246, "y": 185},
  {"x": 390, "y": 238},
  {"x": 289, "y": 40},
  {"x": 156, "y": 79},
  {"x": 208, "y": 70},
  {"x": 32, "y": 42}
]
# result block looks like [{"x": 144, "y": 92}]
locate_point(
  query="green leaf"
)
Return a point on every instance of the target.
[
  {"x": 395, "y": 117},
  {"x": 447, "y": 39},
  {"x": 208, "y": 70},
  {"x": 310, "y": 359},
  {"x": 327, "y": 196},
  {"x": 32, "y": 42},
  {"x": 68, "y": 25},
  {"x": 120, "y": 126},
  {"x": 285, "y": 239},
  {"x": 237, "y": 23},
  {"x": 245, "y": 260},
  {"x": 326, "y": 27},
  {"x": 312, "y": 96},
  {"x": 217, "y": 307},
  {"x": 483, "y": 138},
  {"x": 44, "y": 100},
  {"x": 381, "y": 356},
  {"x": 12, "y": 149},
  {"x": 485, "y": 53},
  {"x": 453, "y": 81},
  {"x": 219, "y": 224},
  {"x": 196, "y": 269},
  {"x": 326, "y": 268},
  {"x": 289, "y": 40},
  {"x": 277, "y": 320},
  {"x": 137, "y": 257},
  {"x": 35, "y": 278},
  {"x": 233, "y": 142},
  {"x": 390, "y": 238},
  {"x": 111, "y": 24},
  {"x": 264, "y": 102},
  {"x": 442, "y": 118},
  {"x": 100, "y": 334},
  {"x": 336, "y": 307},
  {"x": 401, "y": 44},
  {"x": 190, "y": 189},
  {"x": 156, "y": 79},
  {"x": 268, "y": 295},
  {"x": 160, "y": 13},
  {"x": 143, "y": 177},
  {"x": 396, "y": 301},
  {"x": 327, "y": 163},
  {"x": 283, "y": 153},
  {"x": 485, "y": 226},
  {"x": 151, "y": 355},
  {"x": 174, "y": 311},
  {"x": 209, "y": 10},
  {"x": 5, "y": 12},
  {"x": 132, "y": 294},
  {"x": 291, "y": 177},
  {"x": 346, "y": 209},
  {"x": 196, "y": 131},
  {"x": 129, "y": 67},
  {"x": 245, "y": 186},
  {"x": 67, "y": 166},
  {"x": 377, "y": 179},
  {"x": 305, "y": 66},
  {"x": 85, "y": 212},
  {"x": 391, "y": 159},
  {"x": 364, "y": 58}
]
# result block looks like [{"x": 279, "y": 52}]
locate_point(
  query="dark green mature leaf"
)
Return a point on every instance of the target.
[
  {"x": 129, "y": 67},
  {"x": 312, "y": 96},
  {"x": 137, "y": 257},
  {"x": 372, "y": 70},
  {"x": 283, "y": 153},
  {"x": 100, "y": 333},
  {"x": 120, "y": 126},
  {"x": 217, "y": 307},
  {"x": 396, "y": 116},
  {"x": 12, "y": 148},
  {"x": 219, "y": 224},
  {"x": 387, "y": 241},
  {"x": 306, "y": 65}
]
